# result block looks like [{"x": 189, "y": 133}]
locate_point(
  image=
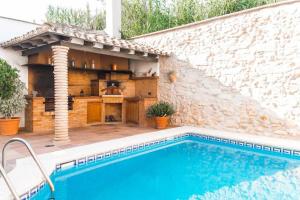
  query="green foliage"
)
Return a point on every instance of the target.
[
  {"x": 161, "y": 109},
  {"x": 187, "y": 11},
  {"x": 12, "y": 89},
  {"x": 146, "y": 16},
  {"x": 77, "y": 17},
  {"x": 7, "y": 77},
  {"x": 218, "y": 8}
]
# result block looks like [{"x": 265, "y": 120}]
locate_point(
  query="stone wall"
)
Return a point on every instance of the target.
[{"x": 237, "y": 72}]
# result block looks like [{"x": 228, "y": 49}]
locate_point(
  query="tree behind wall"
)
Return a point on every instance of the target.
[
  {"x": 146, "y": 16},
  {"x": 77, "y": 17}
]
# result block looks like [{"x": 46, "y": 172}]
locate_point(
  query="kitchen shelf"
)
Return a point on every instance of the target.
[
  {"x": 114, "y": 71},
  {"x": 144, "y": 78},
  {"x": 37, "y": 65},
  {"x": 105, "y": 71}
]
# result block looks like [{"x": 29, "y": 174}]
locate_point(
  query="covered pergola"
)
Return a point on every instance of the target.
[{"x": 59, "y": 39}]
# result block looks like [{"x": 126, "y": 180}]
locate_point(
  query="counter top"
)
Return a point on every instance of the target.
[
  {"x": 136, "y": 98},
  {"x": 87, "y": 97}
]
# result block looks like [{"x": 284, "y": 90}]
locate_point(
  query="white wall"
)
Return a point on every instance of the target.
[
  {"x": 237, "y": 72},
  {"x": 141, "y": 67},
  {"x": 11, "y": 28}
]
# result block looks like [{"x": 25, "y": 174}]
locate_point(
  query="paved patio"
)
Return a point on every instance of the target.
[{"x": 43, "y": 142}]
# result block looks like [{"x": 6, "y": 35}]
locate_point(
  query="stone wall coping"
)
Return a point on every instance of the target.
[
  {"x": 26, "y": 176},
  {"x": 222, "y": 17},
  {"x": 20, "y": 20}
]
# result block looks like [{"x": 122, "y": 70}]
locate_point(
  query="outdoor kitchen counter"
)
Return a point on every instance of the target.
[
  {"x": 88, "y": 110},
  {"x": 39, "y": 115}
]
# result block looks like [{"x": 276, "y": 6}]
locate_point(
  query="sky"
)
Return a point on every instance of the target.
[{"x": 35, "y": 10}]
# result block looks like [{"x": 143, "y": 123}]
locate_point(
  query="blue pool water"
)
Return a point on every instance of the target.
[{"x": 183, "y": 170}]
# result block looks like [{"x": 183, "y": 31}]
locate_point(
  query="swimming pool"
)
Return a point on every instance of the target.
[{"x": 188, "y": 167}]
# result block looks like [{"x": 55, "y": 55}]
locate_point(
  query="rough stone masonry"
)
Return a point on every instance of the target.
[{"x": 237, "y": 72}]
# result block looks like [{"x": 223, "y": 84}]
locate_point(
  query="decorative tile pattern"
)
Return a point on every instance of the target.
[
  {"x": 151, "y": 144},
  {"x": 33, "y": 191},
  {"x": 264, "y": 148}
]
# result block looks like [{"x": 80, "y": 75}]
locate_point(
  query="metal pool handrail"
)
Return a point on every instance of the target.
[
  {"x": 9, "y": 184},
  {"x": 33, "y": 155}
]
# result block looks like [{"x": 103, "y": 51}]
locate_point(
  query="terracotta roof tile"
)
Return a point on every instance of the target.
[{"x": 85, "y": 34}]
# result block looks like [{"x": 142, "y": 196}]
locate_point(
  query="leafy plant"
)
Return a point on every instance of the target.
[
  {"x": 12, "y": 90},
  {"x": 7, "y": 76},
  {"x": 146, "y": 16},
  {"x": 77, "y": 17},
  {"x": 161, "y": 109}
]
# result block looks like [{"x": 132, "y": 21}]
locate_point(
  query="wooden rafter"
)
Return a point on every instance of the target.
[{"x": 104, "y": 51}]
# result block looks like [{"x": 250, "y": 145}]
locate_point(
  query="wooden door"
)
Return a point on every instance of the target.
[
  {"x": 93, "y": 112},
  {"x": 132, "y": 112}
]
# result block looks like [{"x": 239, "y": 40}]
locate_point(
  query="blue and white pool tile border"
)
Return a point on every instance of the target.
[
  {"x": 31, "y": 182},
  {"x": 115, "y": 152},
  {"x": 132, "y": 148},
  {"x": 266, "y": 148}
]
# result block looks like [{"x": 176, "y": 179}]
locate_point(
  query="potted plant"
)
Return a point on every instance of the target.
[
  {"x": 12, "y": 98},
  {"x": 161, "y": 112}
]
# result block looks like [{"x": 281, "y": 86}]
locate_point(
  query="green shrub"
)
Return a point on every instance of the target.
[
  {"x": 161, "y": 109},
  {"x": 12, "y": 90},
  {"x": 146, "y": 16},
  {"x": 7, "y": 78},
  {"x": 77, "y": 17}
]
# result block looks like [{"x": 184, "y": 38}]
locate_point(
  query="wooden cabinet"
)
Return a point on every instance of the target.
[
  {"x": 136, "y": 109},
  {"x": 94, "y": 112},
  {"x": 132, "y": 112}
]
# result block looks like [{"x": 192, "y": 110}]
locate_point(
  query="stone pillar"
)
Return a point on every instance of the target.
[{"x": 60, "y": 59}]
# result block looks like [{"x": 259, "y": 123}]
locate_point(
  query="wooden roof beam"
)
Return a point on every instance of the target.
[
  {"x": 27, "y": 52},
  {"x": 77, "y": 41},
  {"x": 116, "y": 49},
  {"x": 112, "y": 48},
  {"x": 37, "y": 42},
  {"x": 106, "y": 51},
  {"x": 26, "y": 45},
  {"x": 17, "y": 48},
  {"x": 131, "y": 52},
  {"x": 51, "y": 38},
  {"x": 98, "y": 45}
]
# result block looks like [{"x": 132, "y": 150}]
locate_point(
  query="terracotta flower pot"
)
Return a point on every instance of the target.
[
  {"x": 161, "y": 122},
  {"x": 9, "y": 126}
]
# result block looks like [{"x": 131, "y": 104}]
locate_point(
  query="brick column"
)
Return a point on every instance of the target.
[{"x": 60, "y": 59}]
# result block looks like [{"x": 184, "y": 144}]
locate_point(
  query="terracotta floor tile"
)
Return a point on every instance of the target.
[{"x": 79, "y": 136}]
